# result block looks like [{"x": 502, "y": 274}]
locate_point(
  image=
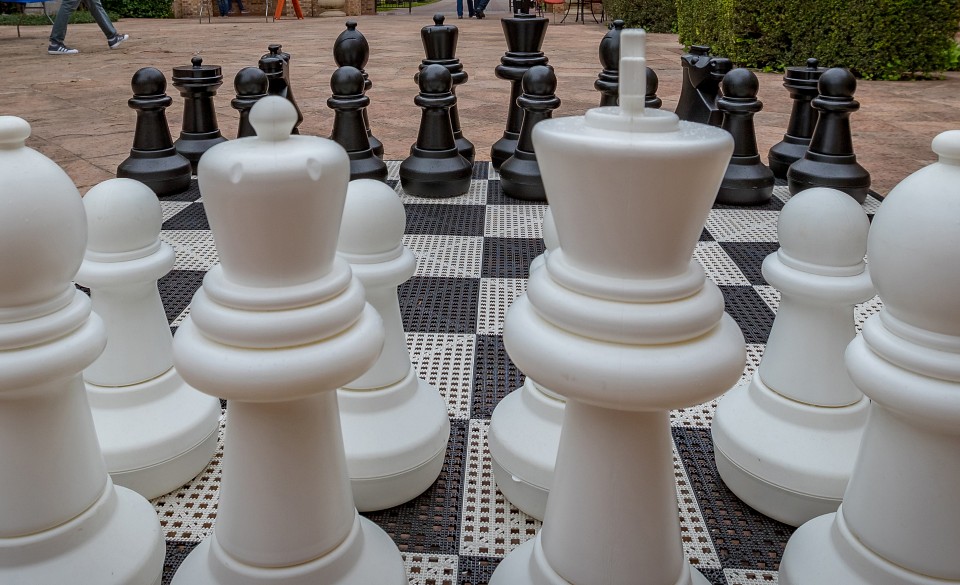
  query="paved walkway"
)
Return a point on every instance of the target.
[{"x": 78, "y": 104}]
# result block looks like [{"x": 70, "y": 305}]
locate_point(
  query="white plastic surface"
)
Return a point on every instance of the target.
[
  {"x": 899, "y": 522},
  {"x": 624, "y": 336},
  {"x": 61, "y": 519},
  {"x": 785, "y": 442},
  {"x": 395, "y": 426},
  {"x": 276, "y": 328},
  {"x": 156, "y": 432}
]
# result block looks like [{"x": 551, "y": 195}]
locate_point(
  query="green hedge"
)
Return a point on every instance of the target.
[
  {"x": 658, "y": 16},
  {"x": 140, "y": 8},
  {"x": 877, "y": 39}
]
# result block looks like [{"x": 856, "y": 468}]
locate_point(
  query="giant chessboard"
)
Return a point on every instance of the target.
[{"x": 473, "y": 255}]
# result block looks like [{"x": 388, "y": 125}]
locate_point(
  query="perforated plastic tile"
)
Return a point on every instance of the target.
[
  {"x": 425, "y": 569},
  {"x": 428, "y": 523},
  {"x": 447, "y": 256},
  {"x": 191, "y": 194},
  {"x": 749, "y": 256},
  {"x": 496, "y": 296},
  {"x": 431, "y": 218},
  {"x": 496, "y": 196},
  {"x": 476, "y": 570},
  {"x": 195, "y": 249},
  {"x": 177, "y": 289},
  {"x": 515, "y": 221},
  {"x": 393, "y": 170},
  {"x": 509, "y": 257},
  {"x": 774, "y": 204},
  {"x": 864, "y": 311},
  {"x": 177, "y": 551},
  {"x": 481, "y": 170},
  {"x": 743, "y": 538},
  {"x": 872, "y": 203},
  {"x": 740, "y": 225},
  {"x": 697, "y": 545},
  {"x": 446, "y": 362},
  {"x": 439, "y": 305},
  {"x": 781, "y": 191},
  {"x": 171, "y": 208},
  {"x": 192, "y": 217},
  {"x": 717, "y": 265},
  {"x": 749, "y": 310},
  {"x": 770, "y": 295},
  {"x": 492, "y": 173},
  {"x": 495, "y": 375},
  {"x": 476, "y": 195},
  {"x": 490, "y": 526},
  {"x": 743, "y": 577}
]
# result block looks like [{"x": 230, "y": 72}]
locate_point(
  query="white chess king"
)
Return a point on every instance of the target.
[{"x": 623, "y": 323}]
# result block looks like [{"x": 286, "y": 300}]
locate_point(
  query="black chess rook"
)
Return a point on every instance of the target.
[
  {"x": 198, "y": 83},
  {"x": 801, "y": 82}
]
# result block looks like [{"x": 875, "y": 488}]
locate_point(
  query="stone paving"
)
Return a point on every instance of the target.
[{"x": 77, "y": 104}]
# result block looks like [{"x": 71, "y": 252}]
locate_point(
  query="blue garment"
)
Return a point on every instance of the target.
[
  {"x": 480, "y": 5},
  {"x": 470, "y": 9},
  {"x": 68, "y": 7},
  {"x": 224, "y": 6}
]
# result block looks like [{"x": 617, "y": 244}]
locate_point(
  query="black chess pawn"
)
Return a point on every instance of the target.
[
  {"x": 251, "y": 85},
  {"x": 153, "y": 160},
  {"x": 801, "y": 82},
  {"x": 351, "y": 48},
  {"x": 830, "y": 160},
  {"x": 348, "y": 103},
  {"x": 702, "y": 74},
  {"x": 608, "y": 81},
  {"x": 653, "y": 83},
  {"x": 525, "y": 34},
  {"x": 747, "y": 180},
  {"x": 520, "y": 174},
  {"x": 435, "y": 167},
  {"x": 279, "y": 81},
  {"x": 198, "y": 83},
  {"x": 440, "y": 47}
]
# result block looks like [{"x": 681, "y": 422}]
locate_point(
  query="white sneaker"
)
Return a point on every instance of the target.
[
  {"x": 116, "y": 40},
  {"x": 60, "y": 49}
]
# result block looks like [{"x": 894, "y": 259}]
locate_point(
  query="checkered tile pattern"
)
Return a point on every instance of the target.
[{"x": 473, "y": 255}]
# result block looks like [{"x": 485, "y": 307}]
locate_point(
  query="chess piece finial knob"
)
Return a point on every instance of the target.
[
  {"x": 273, "y": 118},
  {"x": 438, "y": 19},
  {"x": 815, "y": 241},
  {"x": 148, "y": 81}
]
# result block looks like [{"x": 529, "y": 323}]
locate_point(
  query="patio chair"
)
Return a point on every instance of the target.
[{"x": 23, "y": 3}]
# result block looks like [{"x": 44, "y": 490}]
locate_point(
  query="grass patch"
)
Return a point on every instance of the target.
[{"x": 33, "y": 19}]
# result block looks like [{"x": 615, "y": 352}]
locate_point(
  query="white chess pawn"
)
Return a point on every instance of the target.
[
  {"x": 277, "y": 327},
  {"x": 156, "y": 432},
  {"x": 395, "y": 425},
  {"x": 785, "y": 441},
  {"x": 625, "y": 336},
  {"x": 899, "y": 523},
  {"x": 61, "y": 518},
  {"x": 525, "y": 427}
]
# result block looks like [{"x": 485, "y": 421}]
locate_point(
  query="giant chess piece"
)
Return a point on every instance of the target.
[
  {"x": 277, "y": 327},
  {"x": 524, "y": 34},
  {"x": 251, "y": 84},
  {"x": 624, "y": 337},
  {"x": 61, "y": 518},
  {"x": 801, "y": 82},
  {"x": 395, "y": 425},
  {"x": 440, "y": 47},
  {"x": 899, "y": 522},
  {"x": 608, "y": 81},
  {"x": 348, "y": 103},
  {"x": 153, "y": 160},
  {"x": 829, "y": 160},
  {"x": 525, "y": 427},
  {"x": 155, "y": 431},
  {"x": 702, "y": 75},
  {"x": 352, "y": 49},
  {"x": 435, "y": 167},
  {"x": 198, "y": 83},
  {"x": 520, "y": 174},
  {"x": 280, "y": 84},
  {"x": 785, "y": 441},
  {"x": 747, "y": 181}
]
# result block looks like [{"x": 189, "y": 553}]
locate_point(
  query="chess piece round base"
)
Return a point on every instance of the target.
[
  {"x": 192, "y": 145},
  {"x": 435, "y": 174},
  {"x": 157, "y": 435},
  {"x": 366, "y": 165},
  {"x": 785, "y": 153},
  {"x": 528, "y": 565},
  {"x": 466, "y": 148},
  {"x": 520, "y": 178},
  {"x": 116, "y": 540},
  {"x": 746, "y": 184},
  {"x": 839, "y": 557},
  {"x": 366, "y": 556},
  {"x": 837, "y": 172},
  {"x": 787, "y": 460},
  {"x": 523, "y": 438},
  {"x": 164, "y": 172},
  {"x": 504, "y": 148},
  {"x": 410, "y": 419}
]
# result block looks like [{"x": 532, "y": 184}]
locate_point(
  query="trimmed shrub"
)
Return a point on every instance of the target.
[
  {"x": 657, "y": 16},
  {"x": 876, "y": 39},
  {"x": 140, "y": 8}
]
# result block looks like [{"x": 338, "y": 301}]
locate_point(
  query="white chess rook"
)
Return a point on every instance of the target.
[
  {"x": 899, "y": 523},
  {"x": 624, "y": 324},
  {"x": 61, "y": 518},
  {"x": 785, "y": 441},
  {"x": 156, "y": 432},
  {"x": 525, "y": 427},
  {"x": 277, "y": 327},
  {"x": 395, "y": 425}
]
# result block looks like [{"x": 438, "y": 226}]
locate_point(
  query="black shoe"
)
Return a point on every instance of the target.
[{"x": 480, "y": 14}]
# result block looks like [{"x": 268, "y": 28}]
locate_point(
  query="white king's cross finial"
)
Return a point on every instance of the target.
[{"x": 633, "y": 71}]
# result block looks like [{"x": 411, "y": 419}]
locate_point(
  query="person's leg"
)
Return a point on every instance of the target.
[
  {"x": 240, "y": 6},
  {"x": 59, "y": 30},
  {"x": 479, "y": 7},
  {"x": 470, "y": 8},
  {"x": 100, "y": 15},
  {"x": 224, "y": 6}
]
